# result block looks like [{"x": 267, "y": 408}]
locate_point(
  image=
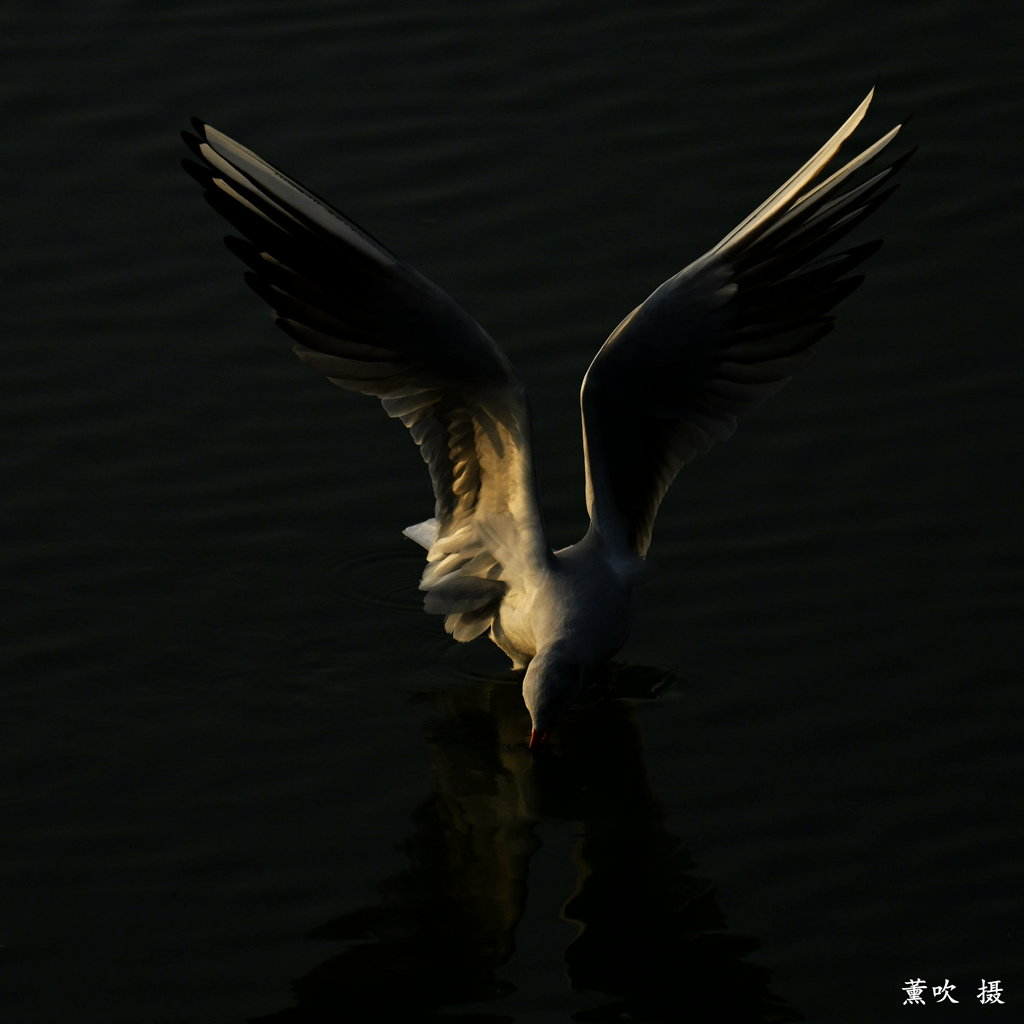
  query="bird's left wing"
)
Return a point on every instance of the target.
[
  {"x": 371, "y": 323},
  {"x": 720, "y": 337}
]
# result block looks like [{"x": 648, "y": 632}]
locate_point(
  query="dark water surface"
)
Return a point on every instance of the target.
[{"x": 235, "y": 753}]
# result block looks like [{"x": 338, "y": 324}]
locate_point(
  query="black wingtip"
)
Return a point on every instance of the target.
[
  {"x": 199, "y": 172},
  {"x": 194, "y": 145},
  {"x": 906, "y": 156},
  {"x": 900, "y": 162},
  {"x": 259, "y": 286},
  {"x": 239, "y": 246},
  {"x": 843, "y": 287},
  {"x": 858, "y": 254},
  {"x": 863, "y": 251}
]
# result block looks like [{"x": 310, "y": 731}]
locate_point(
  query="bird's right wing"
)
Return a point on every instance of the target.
[
  {"x": 720, "y": 337},
  {"x": 371, "y": 323}
]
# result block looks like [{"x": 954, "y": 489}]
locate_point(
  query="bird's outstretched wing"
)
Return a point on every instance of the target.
[
  {"x": 720, "y": 337},
  {"x": 370, "y": 323}
]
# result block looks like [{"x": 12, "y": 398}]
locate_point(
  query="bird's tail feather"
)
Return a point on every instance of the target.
[{"x": 424, "y": 533}]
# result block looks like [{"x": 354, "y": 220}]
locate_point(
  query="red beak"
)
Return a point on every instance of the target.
[{"x": 539, "y": 740}]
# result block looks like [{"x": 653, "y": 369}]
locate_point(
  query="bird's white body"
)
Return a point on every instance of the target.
[
  {"x": 708, "y": 345},
  {"x": 581, "y": 601},
  {"x": 564, "y": 624}
]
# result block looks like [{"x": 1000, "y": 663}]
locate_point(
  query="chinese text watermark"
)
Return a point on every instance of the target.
[{"x": 917, "y": 989}]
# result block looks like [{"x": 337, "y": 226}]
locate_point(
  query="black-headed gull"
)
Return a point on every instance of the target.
[{"x": 711, "y": 343}]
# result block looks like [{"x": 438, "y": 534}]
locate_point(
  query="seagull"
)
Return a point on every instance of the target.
[{"x": 710, "y": 344}]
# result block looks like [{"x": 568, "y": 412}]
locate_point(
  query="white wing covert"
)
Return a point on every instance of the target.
[
  {"x": 370, "y": 323},
  {"x": 720, "y": 337}
]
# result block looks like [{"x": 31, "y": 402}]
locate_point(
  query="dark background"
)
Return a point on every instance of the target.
[{"x": 235, "y": 752}]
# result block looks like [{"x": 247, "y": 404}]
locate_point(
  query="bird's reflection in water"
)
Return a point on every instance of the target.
[{"x": 651, "y": 942}]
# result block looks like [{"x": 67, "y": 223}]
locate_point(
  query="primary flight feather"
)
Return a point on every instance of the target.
[{"x": 709, "y": 344}]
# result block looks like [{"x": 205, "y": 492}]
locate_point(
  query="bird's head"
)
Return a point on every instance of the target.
[{"x": 552, "y": 682}]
